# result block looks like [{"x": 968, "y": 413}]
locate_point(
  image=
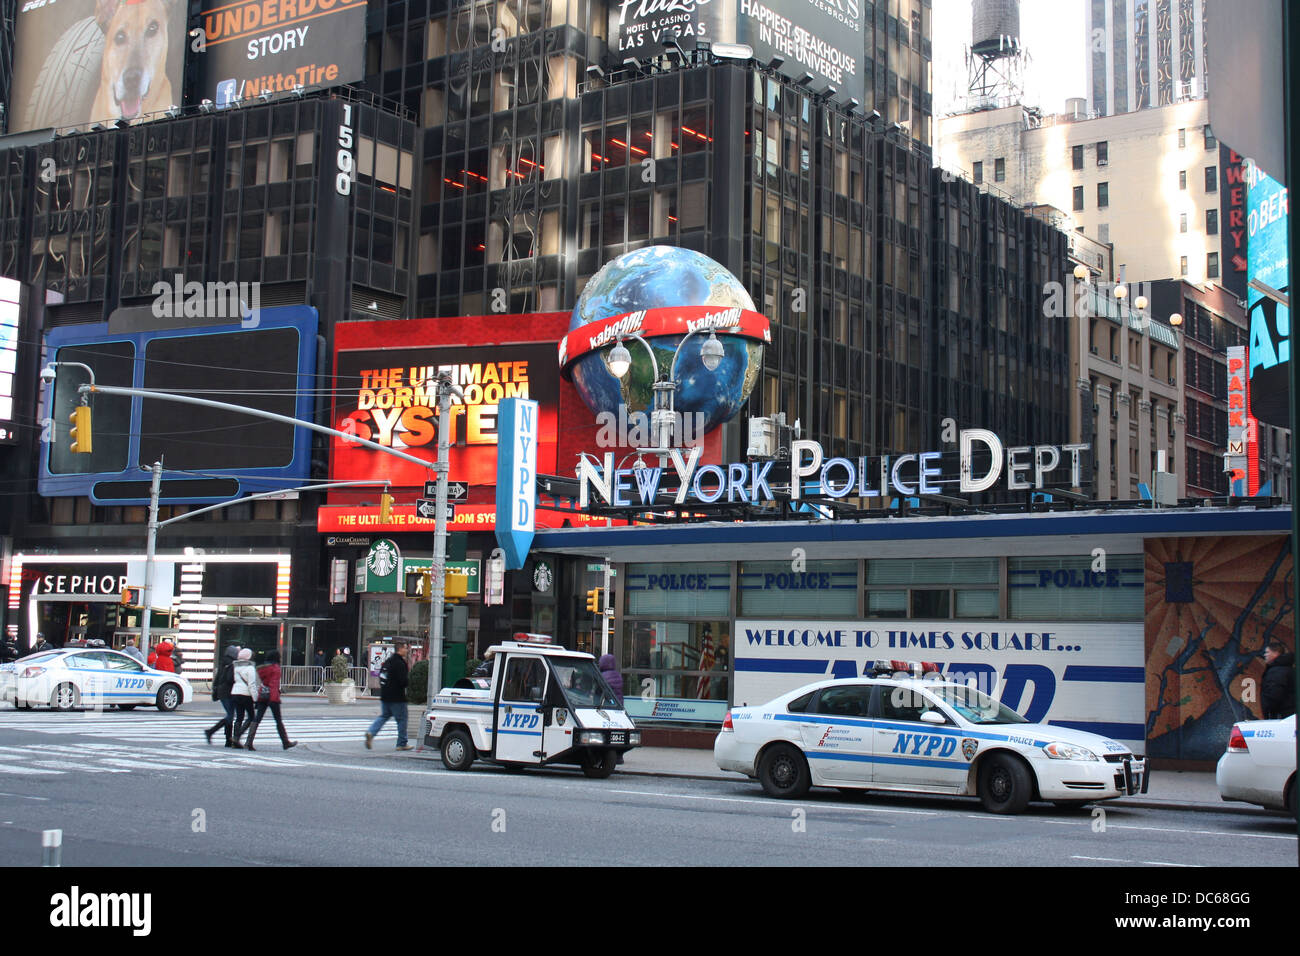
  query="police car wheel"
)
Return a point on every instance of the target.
[
  {"x": 783, "y": 772},
  {"x": 65, "y": 697},
  {"x": 599, "y": 764},
  {"x": 169, "y": 697},
  {"x": 1005, "y": 784},
  {"x": 457, "y": 750}
]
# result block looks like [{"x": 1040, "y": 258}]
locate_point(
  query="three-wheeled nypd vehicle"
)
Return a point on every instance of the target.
[{"x": 542, "y": 704}]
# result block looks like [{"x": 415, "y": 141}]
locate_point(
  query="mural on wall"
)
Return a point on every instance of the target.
[{"x": 1211, "y": 606}]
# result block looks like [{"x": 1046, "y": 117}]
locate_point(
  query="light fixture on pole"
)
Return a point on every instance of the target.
[
  {"x": 1121, "y": 290},
  {"x": 1176, "y": 319},
  {"x": 1081, "y": 272},
  {"x": 1140, "y": 303}
]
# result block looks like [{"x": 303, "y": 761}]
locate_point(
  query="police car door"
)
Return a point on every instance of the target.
[
  {"x": 837, "y": 737},
  {"x": 518, "y": 731},
  {"x": 86, "y": 671},
  {"x": 910, "y": 752}
]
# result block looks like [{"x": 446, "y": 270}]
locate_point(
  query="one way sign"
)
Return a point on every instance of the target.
[
  {"x": 428, "y": 508},
  {"x": 456, "y": 490}
]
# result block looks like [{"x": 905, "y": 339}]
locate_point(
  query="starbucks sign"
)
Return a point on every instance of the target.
[{"x": 380, "y": 567}]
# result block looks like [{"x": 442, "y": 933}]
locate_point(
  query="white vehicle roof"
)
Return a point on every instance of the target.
[{"x": 549, "y": 650}]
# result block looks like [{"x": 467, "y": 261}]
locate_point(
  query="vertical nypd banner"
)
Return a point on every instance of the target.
[{"x": 517, "y": 430}]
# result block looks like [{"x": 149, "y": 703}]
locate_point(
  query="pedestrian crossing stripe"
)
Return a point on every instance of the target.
[
  {"x": 47, "y": 759},
  {"x": 184, "y": 730}
]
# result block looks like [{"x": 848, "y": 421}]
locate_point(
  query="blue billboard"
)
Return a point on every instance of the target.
[
  {"x": 1269, "y": 323},
  {"x": 208, "y": 455}
]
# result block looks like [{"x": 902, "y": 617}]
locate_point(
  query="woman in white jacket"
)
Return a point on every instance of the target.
[{"x": 244, "y": 693}]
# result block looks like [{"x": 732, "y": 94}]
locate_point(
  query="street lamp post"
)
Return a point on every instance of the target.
[{"x": 663, "y": 415}]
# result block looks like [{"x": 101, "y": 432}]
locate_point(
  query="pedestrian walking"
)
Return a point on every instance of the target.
[
  {"x": 243, "y": 693},
  {"x": 268, "y": 675},
  {"x": 222, "y": 684},
  {"x": 178, "y": 659},
  {"x": 41, "y": 644},
  {"x": 1277, "y": 695},
  {"x": 394, "y": 676},
  {"x": 130, "y": 650},
  {"x": 609, "y": 670}
]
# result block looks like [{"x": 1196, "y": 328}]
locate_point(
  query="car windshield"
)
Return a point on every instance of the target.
[
  {"x": 42, "y": 658},
  {"x": 976, "y": 706},
  {"x": 582, "y": 684}
]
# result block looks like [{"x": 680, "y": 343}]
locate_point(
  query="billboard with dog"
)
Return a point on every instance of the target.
[
  {"x": 79, "y": 62},
  {"x": 254, "y": 47}
]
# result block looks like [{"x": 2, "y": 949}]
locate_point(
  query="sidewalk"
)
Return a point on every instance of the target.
[{"x": 1189, "y": 790}]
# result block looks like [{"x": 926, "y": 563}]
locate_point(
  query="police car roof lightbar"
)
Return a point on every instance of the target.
[
  {"x": 523, "y": 637},
  {"x": 913, "y": 668}
]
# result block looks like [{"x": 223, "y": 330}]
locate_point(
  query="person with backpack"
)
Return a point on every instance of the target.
[
  {"x": 394, "y": 676},
  {"x": 269, "y": 677},
  {"x": 222, "y": 684},
  {"x": 242, "y": 693}
]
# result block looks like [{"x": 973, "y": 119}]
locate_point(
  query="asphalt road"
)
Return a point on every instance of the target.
[{"x": 125, "y": 801}]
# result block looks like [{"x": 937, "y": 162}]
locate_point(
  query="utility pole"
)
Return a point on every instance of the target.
[
  {"x": 154, "y": 489},
  {"x": 438, "y": 569},
  {"x": 605, "y": 613}
]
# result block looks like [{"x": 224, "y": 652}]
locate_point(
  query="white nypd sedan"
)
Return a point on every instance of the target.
[
  {"x": 1259, "y": 765},
  {"x": 67, "y": 678},
  {"x": 924, "y": 736}
]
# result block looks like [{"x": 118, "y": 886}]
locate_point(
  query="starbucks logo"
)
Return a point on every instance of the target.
[
  {"x": 542, "y": 576},
  {"x": 383, "y": 559}
]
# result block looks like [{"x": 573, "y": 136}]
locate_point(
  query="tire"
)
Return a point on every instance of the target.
[
  {"x": 169, "y": 698},
  {"x": 64, "y": 91},
  {"x": 599, "y": 764},
  {"x": 1005, "y": 784},
  {"x": 457, "y": 750},
  {"x": 783, "y": 772},
  {"x": 65, "y": 697}
]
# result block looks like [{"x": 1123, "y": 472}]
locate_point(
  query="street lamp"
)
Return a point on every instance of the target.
[
  {"x": 1176, "y": 319},
  {"x": 663, "y": 414}
]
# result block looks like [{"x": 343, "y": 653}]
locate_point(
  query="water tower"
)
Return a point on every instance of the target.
[{"x": 995, "y": 61}]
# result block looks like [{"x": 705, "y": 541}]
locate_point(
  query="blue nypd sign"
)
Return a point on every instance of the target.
[{"x": 517, "y": 428}]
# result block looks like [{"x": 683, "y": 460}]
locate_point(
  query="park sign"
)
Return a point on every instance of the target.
[
  {"x": 517, "y": 426},
  {"x": 984, "y": 459}
]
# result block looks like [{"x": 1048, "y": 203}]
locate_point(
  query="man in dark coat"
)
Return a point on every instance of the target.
[
  {"x": 394, "y": 676},
  {"x": 1277, "y": 696},
  {"x": 222, "y": 682}
]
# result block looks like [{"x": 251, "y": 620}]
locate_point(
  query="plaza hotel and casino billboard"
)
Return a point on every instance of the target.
[{"x": 384, "y": 391}]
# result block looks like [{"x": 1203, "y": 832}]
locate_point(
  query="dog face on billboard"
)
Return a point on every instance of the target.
[{"x": 133, "y": 73}]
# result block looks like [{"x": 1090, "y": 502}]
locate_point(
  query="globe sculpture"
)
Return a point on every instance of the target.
[{"x": 664, "y": 278}]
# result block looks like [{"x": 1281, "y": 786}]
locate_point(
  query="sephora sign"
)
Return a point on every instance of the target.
[
  {"x": 820, "y": 37},
  {"x": 985, "y": 461}
]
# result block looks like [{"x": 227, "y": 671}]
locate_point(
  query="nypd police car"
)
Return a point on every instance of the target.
[
  {"x": 1259, "y": 765},
  {"x": 902, "y": 732},
  {"x": 68, "y": 678}
]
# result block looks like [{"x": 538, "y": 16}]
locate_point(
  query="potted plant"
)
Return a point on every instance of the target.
[{"x": 339, "y": 688}]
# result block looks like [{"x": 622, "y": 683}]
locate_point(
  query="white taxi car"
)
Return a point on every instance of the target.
[
  {"x": 1259, "y": 764},
  {"x": 76, "y": 677},
  {"x": 904, "y": 733}
]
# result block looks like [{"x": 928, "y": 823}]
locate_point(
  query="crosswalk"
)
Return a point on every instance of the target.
[
  {"x": 148, "y": 727},
  {"x": 176, "y": 741},
  {"x": 44, "y": 760}
]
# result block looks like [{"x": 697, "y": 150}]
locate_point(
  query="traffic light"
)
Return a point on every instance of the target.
[
  {"x": 80, "y": 435},
  {"x": 132, "y": 597},
  {"x": 418, "y": 586},
  {"x": 385, "y": 507},
  {"x": 593, "y": 600}
]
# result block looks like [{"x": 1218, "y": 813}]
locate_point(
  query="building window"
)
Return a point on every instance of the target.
[
  {"x": 999, "y": 170},
  {"x": 1078, "y": 198},
  {"x": 1182, "y": 179},
  {"x": 1182, "y": 265},
  {"x": 979, "y": 172},
  {"x": 1182, "y": 139},
  {"x": 1103, "y": 233},
  {"x": 1210, "y": 141},
  {"x": 1211, "y": 179},
  {"x": 1103, "y": 153},
  {"x": 1212, "y": 266},
  {"x": 1076, "y": 157},
  {"x": 1211, "y": 222},
  {"x": 933, "y": 588},
  {"x": 1182, "y": 222},
  {"x": 1068, "y": 589},
  {"x": 1103, "y": 195}
]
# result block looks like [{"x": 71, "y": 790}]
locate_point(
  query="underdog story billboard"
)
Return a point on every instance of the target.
[
  {"x": 257, "y": 46},
  {"x": 78, "y": 62}
]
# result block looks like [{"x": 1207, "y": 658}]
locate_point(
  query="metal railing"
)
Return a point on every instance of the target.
[{"x": 298, "y": 677}]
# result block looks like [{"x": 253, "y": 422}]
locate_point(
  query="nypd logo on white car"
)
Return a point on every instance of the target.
[
  {"x": 69, "y": 678},
  {"x": 899, "y": 731}
]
